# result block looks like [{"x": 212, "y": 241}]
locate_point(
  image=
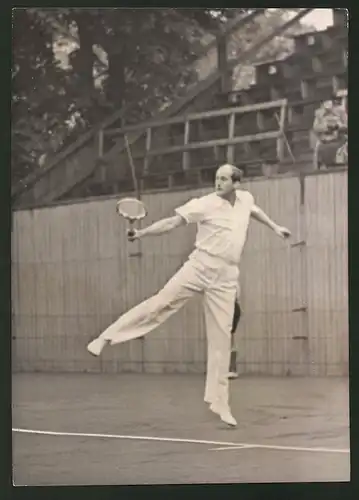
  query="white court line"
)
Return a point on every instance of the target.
[
  {"x": 220, "y": 445},
  {"x": 134, "y": 438},
  {"x": 284, "y": 448}
]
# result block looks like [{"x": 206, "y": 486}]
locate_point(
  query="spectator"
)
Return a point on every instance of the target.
[{"x": 330, "y": 126}]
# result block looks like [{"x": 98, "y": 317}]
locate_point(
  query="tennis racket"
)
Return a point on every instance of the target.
[{"x": 132, "y": 210}]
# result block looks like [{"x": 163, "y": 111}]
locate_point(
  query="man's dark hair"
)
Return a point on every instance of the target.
[{"x": 237, "y": 174}]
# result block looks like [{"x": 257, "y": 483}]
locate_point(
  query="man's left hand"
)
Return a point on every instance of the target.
[{"x": 283, "y": 232}]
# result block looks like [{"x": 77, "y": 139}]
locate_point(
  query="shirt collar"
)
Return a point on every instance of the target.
[{"x": 225, "y": 203}]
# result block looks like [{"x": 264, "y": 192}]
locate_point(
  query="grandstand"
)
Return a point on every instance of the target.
[{"x": 269, "y": 122}]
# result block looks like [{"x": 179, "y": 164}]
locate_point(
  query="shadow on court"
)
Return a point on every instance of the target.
[{"x": 301, "y": 428}]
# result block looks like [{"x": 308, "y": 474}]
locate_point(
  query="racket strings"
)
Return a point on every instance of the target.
[{"x": 131, "y": 208}]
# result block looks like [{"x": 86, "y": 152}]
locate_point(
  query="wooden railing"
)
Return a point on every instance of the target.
[{"x": 193, "y": 126}]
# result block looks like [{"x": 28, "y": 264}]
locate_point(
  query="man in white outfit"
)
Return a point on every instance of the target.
[{"x": 222, "y": 218}]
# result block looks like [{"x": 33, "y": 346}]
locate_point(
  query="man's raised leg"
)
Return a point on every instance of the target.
[{"x": 154, "y": 311}]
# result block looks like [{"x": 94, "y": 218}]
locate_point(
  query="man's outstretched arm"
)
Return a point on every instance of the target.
[
  {"x": 160, "y": 227},
  {"x": 258, "y": 214}
]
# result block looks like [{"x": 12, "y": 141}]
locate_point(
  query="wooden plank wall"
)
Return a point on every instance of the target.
[
  {"x": 268, "y": 274},
  {"x": 327, "y": 271},
  {"x": 72, "y": 276}
]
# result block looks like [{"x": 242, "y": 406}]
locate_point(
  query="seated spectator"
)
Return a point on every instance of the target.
[{"x": 330, "y": 128}]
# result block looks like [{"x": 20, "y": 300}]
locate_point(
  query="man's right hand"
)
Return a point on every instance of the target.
[{"x": 133, "y": 234}]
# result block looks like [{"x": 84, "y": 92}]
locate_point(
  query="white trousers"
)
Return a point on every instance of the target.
[{"x": 217, "y": 280}]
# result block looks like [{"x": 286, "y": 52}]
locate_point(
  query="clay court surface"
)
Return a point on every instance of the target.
[{"x": 152, "y": 429}]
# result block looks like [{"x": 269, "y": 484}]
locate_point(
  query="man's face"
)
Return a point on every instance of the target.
[{"x": 224, "y": 184}]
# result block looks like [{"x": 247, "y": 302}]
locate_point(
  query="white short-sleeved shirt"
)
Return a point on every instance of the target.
[{"x": 221, "y": 227}]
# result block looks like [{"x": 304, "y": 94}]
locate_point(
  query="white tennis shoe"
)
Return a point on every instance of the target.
[
  {"x": 96, "y": 346},
  {"x": 224, "y": 414}
]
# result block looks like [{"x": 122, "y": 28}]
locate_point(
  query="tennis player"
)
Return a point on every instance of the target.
[{"x": 222, "y": 219}]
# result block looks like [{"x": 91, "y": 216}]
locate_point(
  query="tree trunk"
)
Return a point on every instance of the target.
[
  {"x": 116, "y": 83},
  {"x": 84, "y": 59}
]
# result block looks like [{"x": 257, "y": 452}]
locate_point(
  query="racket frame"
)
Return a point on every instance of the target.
[{"x": 131, "y": 219}]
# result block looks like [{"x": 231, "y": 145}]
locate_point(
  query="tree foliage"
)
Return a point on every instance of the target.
[
  {"x": 73, "y": 67},
  {"x": 147, "y": 55},
  {"x": 36, "y": 80}
]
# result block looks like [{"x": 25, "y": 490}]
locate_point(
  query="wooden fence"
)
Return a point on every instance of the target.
[{"x": 72, "y": 276}]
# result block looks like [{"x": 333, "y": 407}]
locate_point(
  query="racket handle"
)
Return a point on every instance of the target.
[{"x": 131, "y": 230}]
